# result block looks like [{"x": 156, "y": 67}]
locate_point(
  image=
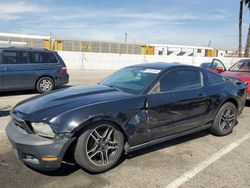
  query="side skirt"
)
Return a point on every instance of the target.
[{"x": 164, "y": 139}]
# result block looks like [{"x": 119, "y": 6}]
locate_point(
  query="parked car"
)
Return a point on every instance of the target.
[
  {"x": 135, "y": 107},
  {"x": 205, "y": 65},
  {"x": 240, "y": 71},
  {"x": 217, "y": 66},
  {"x": 29, "y": 68}
]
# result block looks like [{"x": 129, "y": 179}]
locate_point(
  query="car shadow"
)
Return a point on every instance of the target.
[
  {"x": 167, "y": 144},
  {"x": 247, "y": 103},
  {"x": 28, "y": 92},
  {"x": 64, "y": 170},
  {"x": 4, "y": 113},
  {"x": 67, "y": 169},
  {"x": 13, "y": 93}
]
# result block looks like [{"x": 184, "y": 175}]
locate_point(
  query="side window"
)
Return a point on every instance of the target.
[
  {"x": 43, "y": 57},
  {"x": 214, "y": 78},
  {"x": 52, "y": 58},
  {"x": 14, "y": 57},
  {"x": 179, "y": 80}
]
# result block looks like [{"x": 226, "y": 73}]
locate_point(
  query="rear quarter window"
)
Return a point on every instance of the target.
[
  {"x": 214, "y": 78},
  {"x": 42, "y": 57}
]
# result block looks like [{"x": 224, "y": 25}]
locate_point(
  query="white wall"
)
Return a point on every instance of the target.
[{"x": 89, "y": 60}]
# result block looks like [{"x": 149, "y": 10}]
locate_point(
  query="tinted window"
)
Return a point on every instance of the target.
[
  {"x": 214, "y": 78},
  {"x": 42, "y": 57},
  {"x": 181, "y": 80},
  {"x": 14, "y": 57}
]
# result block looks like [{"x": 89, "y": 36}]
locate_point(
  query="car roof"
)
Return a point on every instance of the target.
[
  {"x": 245, "y": 60},
  {"x": 162, "y": 65},
  {"x": 24, "y": 48}
]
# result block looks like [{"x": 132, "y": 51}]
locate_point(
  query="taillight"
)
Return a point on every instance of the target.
[{"x": 63, "y": 69}]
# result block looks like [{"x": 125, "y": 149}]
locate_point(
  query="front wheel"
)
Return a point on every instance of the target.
[
  {"x": 225, "y": 120},
  {"x": 99, "y": 148}
]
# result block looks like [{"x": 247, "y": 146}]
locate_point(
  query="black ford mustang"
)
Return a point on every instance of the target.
[{"x": 135, "y": 107}]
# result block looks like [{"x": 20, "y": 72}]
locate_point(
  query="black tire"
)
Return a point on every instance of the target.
[
  {"x": 225, "y": 120},
  {"x": 91, "y": 149},
  {"x": 45, "y": 84}
]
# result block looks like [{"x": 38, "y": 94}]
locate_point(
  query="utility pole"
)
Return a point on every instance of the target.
[
  {"x": 52, "y": 40},
  {"x": 126, "y": 36},
  {"x": 209, "y": 43},
  {"x": 240, "y": 27}
]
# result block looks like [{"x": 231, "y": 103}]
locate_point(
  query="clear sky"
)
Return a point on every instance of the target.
[{"x": 184, "y": 22}]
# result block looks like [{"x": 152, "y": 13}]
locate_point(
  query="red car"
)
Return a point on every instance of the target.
[{"x": 240, "y": 71}]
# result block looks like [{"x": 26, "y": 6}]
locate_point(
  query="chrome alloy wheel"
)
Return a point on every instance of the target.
[
  {"x": 227, "y": 120},
  {"x": 102, "y": 145}
]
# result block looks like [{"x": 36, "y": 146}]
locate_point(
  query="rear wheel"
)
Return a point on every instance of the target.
[
  {"x": 225, "y": 120},
  {"x": 99, "y": 147},
  {"x": 45, "y": 84}
]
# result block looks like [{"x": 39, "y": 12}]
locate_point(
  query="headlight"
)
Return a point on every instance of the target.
[{"x": 43, "y": 129}]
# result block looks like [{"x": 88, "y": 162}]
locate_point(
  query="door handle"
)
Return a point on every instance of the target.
[
  {"x": 175, "y": 112},
  {"x": 6, "y": 68}
]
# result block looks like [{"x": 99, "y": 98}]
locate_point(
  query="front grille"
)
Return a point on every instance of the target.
[{"x": 20, "y": 123}]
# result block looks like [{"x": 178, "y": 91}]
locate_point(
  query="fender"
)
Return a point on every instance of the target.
[
  {"x": 129, "y": 114},
  {"x": 133, "y": 126}
]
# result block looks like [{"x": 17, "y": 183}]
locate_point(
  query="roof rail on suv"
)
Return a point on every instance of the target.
[{"x": 23, "y": 47}]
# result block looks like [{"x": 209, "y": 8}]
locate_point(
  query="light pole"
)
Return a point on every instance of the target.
[
  {"x": 126, "y": 36},
  {"x": 209, "y": 43}
]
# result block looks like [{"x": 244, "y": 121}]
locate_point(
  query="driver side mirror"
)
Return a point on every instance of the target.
[{"x": 220, "y": 69}]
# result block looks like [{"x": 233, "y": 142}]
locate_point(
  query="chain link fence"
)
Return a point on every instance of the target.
[
  {"x": 99, "y": 47},
  {"x": 75, "y": 45}
]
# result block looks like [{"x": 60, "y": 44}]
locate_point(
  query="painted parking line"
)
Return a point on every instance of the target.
[{"x": 204, "y": 164}]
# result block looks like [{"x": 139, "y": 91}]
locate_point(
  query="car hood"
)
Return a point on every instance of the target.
[
  {"x": 243, "y": 76},
  {"x": 43, "y": 107}
]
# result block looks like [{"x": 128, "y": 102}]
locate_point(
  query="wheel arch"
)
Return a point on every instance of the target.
[
  {"x": 215, "y": 128},
  {"x": 232, "y": 100},
  {"x": 84, "y": 125},
  {"x": 229, "y": 99},
  {"x": 43, "y": 76}
]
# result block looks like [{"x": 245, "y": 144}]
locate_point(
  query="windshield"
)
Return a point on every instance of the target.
[
  {"x": 131, "y": 79},
  {"x": 241, "y": 66}
]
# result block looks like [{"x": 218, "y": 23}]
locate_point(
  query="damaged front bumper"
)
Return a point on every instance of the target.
[{"x": 36, "y": 151}]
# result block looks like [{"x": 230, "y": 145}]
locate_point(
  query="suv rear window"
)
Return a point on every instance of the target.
[
  {"x": 14, "y": 57},
  {"x": 42, "y": 57}
]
